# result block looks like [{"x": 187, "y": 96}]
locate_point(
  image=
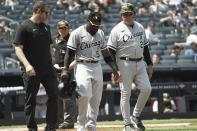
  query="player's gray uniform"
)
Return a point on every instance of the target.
[
  {"x": 89, "y": 76},
  {"x": 129, "y": 42}
]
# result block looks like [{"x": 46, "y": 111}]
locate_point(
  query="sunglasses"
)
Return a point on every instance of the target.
[
  {"x": 95, "y": 25},
  {"x": 128, "y": 14}
]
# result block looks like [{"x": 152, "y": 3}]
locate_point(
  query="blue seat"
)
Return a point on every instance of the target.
[
  {"x": 6, "y": 52},
  {"x": 157, "y": 47},
  {"x": 158, "y": 52},
  {"x": 5, "y": 45},
  {"x": 168, "y": 61},
  {"x": 186, "y": 57},
  {"x": 168, "y": 57},
  {"x": 185, "y": 61},
  {"x": 167, "y": 52}
]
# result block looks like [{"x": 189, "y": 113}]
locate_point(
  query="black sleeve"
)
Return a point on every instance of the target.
[
  {"x": 113, "y": 54},
  {"x": 49, "y": 28},
  {"x": 20, "y": 36},
  {"x": 147, "y": 56},
  {"x": 69, "y": 57},
  {"x": 109, "y": 59}
]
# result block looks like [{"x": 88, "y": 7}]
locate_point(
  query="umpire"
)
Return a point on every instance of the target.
[{"x": 66, "y": 107}]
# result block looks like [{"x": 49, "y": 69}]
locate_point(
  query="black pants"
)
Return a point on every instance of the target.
[
  {"x": 67, "y": 110},
  {"x": 49, "y": 80}
]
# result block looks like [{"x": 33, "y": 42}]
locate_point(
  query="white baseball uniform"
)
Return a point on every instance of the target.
[
  {"x": 129, "y": 42},
  {"x": 89, "y": 76}
]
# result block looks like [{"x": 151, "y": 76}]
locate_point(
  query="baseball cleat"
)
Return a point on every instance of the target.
[
  {"x": 81, "y": 128},
  {"x": 66, "y": 126},
  {"x": 137, "y": 123},
  {"x": 129, "y": 127}
]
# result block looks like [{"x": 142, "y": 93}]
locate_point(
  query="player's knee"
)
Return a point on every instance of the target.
[{"x": 147, "y": 90}]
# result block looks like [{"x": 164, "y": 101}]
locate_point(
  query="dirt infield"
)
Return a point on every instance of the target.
[{"x": 111, "y": 127}]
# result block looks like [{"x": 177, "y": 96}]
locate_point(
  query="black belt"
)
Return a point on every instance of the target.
[
  {"x": 131, "y": 59},
  {"x": 87, "y": 61}
]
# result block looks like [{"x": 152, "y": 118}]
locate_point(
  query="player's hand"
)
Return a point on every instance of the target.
[
  {"x": 116, "y": 77},
  {"x": 30, "y": 70},
  {"x": 150, "y": 71}
]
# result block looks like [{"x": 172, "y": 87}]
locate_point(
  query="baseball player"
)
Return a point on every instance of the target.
[
  {"x": 87, "y": 43},
  {"x": 128, "y": 44}
]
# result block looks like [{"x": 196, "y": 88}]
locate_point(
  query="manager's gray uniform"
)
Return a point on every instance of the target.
[{"x": 129, "y": 42}]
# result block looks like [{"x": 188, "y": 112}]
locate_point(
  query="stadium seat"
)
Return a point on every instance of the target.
[
  {"x": 1, "y": 62},
  {"x": 3, "y": 12},
  {"x": 168, "y": 61},
  {"x": 158, "y": 52},
  {"x": 168, "y": 57},
  {"x": 6, "y": 51},
  {"x": 157, "y": 47},
  {"x": 169, "y": 47},
  {"x": 167, "y": 52},
  {"x": 5, "y": 45},
  {"x": 185, "y": 59}
]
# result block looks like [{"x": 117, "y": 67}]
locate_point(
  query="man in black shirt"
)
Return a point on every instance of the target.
[{"x": 32, "y": 45}]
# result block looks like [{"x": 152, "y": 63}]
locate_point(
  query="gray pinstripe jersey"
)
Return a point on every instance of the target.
[
  {"x": 128, "y": 41},
  {"x": 87, "y": 47}
]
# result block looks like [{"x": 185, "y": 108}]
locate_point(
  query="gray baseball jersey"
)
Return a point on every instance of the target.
[
  {"x": 87, "y": 47},
  {"x": 128, "y": 42}
]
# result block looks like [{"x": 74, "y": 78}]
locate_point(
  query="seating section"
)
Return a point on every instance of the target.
[
  {"x": 8, "y": 59},
  {"x": 110, "y": 18}
]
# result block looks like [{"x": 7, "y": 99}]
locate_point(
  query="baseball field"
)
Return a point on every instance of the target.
[{"x": 151, "y": 125}]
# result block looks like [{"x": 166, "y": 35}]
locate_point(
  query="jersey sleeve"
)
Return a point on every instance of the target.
[
  {"x": 20, "y": 36},
  {"x": 103, "y": 44},
  {"x": 112, "y": 40},
  {"x": 146, "y": 41},
  {"x": 72, "y": 41}
]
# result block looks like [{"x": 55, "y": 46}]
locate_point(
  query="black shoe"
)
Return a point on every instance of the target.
[
  {"x": 32, "y": 129},
  {"x": 137, "y": 123},
  {"x": 66, "y": 126},
  {"x": 49, "y": 129},
  {"x": 129, "y": 127}
]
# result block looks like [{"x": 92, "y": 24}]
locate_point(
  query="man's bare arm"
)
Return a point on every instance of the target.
[{"x": 21, "y": 56}]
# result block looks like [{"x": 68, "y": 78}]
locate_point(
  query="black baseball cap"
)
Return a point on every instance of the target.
[{"x": 94, "y": 17}]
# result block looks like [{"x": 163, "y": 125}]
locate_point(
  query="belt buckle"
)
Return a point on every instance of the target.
[{"x": 127, "y": 59}]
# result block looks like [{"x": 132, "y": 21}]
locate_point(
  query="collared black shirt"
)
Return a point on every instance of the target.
[{"x": 36, "y": 39}]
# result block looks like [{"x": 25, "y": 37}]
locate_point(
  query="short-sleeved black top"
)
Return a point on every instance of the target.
[{"x": 36, "y": 39}]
